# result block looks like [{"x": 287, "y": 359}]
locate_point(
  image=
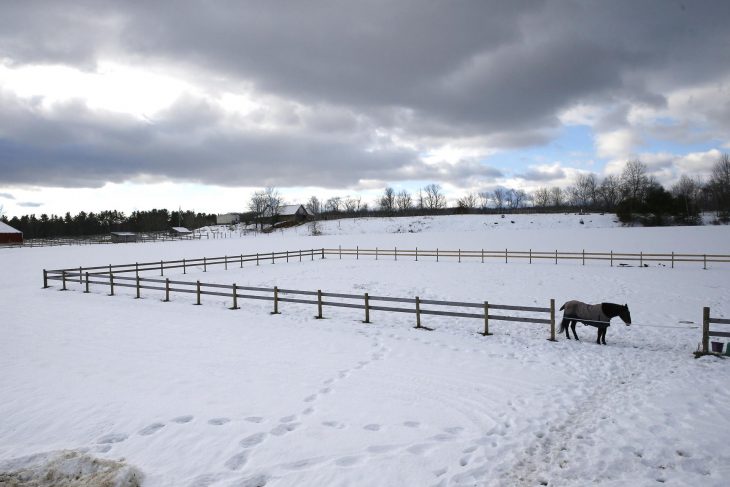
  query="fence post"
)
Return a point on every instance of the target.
[
  {"x": 80, "y": 274},
  {"x": 437, "y": 254},
  {"x": 376, "y": 253},
  {"x": 63, "y": 278},
  {"x": 167, "y": 290},
  {"x": 323, "y": 252},
  {"x": 205, "y": 264},
  {"x": 357, "y": 252},
  {"x": 287, "y": 256},
  {"x": 185, "y": 270},
  {"x": 704, "y": 258},
  {"x": 276, "y": 301},
  {"x": 257, "y": 258},
  {"x": 584, "y": 256},
  {"x": 556, "y": 256},
  {"x": 340, "y": 249},
  {"x": 641, "y": 259},
  {"x": 87, "y": 283},
  {"x": 312, "y": 255},
  {"x": 197, "y": 293},
  {"x": 45, "y": 279},
  {"x": 530, "y": 256},
  {"x": 235, "y": 296},
  {"x": 552, "y": 321},
  {"x": 319, "y": 304},
  {"x": 137, "y": 281},
  {"x": 418, "y": 312},
  {"x": 367, "y": 308},
  {"x": 482, "y": 256},
  {"x": 225, "y": 262},
  {"x": 396, "y": 253},
  {"x": 505, "y": 256},
  {"x": 272, "y": 257},
  {"x": 111, "y": 284},
  {"x": 136, "y": 268},
  {"x": 241, "y": 261},
  {"x": 416, "y": 254},
  {"x": 612, "y": 258},
  {"x": 486, "y": 319},
  {"x": 459, "y": 256},
  {"x": 705, "y": 329},
  {"x": 672, "y": 259}
]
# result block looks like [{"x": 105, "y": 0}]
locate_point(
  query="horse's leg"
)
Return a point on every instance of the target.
[
  {"x": 572, "y": 326},
  {"x": 598, "y": 334},
  {"x": 565, "y": 324},
  {"x": 603, "y": 334}
]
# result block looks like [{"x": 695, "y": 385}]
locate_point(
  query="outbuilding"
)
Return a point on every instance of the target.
[
  {"x": 123, "y": 237},
  {"x": 180, "y": 231},
  {"x": 9, "y": 235},
  {"x": 227, "y": 219},
  {"x": 293, "y": 213}
]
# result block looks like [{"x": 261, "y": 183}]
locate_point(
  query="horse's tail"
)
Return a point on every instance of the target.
[{"x": 563, "y": 326}]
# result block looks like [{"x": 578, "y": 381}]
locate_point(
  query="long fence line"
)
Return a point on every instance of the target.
[
  {"x": 438, "y": 254},
  {"x": 278, "y": 295},
  {"x": 99, "y": 240}
]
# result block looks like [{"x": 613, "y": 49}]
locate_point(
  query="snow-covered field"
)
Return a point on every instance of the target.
[{"x": 202, "y": 395}]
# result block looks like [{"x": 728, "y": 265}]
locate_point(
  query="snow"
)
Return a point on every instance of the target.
[
  {"x": 5, "y": 228},
  {"x": 202, "y": 395}
]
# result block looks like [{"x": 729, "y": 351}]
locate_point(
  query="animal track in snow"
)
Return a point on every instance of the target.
[
  {"x": 150, "y": 429},
  {"x": 411, "y": 424},
  {"x": 218, "y": 421},
  {"x": 310, "y": 398},
  {"x": 333, "y": 424},
  {"x": 182, "y": 419},
  {"x": 347, "y": 461},
  {"x": 372, "y": 427},
  {"x": 254, "y": 419},
  {"x": 288, "y": 419}
]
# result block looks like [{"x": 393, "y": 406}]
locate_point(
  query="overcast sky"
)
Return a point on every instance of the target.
[{"x": 136, "y": 104}]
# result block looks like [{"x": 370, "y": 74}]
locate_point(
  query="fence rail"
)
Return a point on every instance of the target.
[
  {"x": 529, "y": 255},
  {"x": 199, "y": 289}
]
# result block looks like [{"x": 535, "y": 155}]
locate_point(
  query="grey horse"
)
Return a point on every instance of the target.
[{"x": 598, "y": 315}]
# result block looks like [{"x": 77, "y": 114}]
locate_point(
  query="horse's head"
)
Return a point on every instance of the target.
[{"x": 624, "y": 314}]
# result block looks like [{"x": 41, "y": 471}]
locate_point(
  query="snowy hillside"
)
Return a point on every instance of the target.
[{"x": 203, "y": 395}]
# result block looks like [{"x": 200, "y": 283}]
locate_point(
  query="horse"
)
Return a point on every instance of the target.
[{"x": 598, "y": 315}]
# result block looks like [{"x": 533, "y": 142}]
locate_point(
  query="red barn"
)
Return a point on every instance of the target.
[{"x": 9, "y": 235}]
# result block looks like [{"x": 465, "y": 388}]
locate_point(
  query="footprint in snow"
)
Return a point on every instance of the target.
[
  {"x": 254, "y": 419},
  {"x": 252, "y": 440},
  {"x": 310, "y": 398},
  {"x": 333, "y": 424},
  {"x": 372, "y": 427},
  {"x": 112, "y": 438},
  {"x": 411, "y": 424},
  {"x": 288, "y": 419},
  {"x": 237, "y": 461},
  {"x": 152, "y": 428},
  {"x": 182, "y": 419},
  {"x": 284, "y": 428},
  {"x": 218, "y": 421}
]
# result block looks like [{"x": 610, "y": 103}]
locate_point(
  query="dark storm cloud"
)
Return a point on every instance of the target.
[
  {"x": 433, "y": 70},
  {"x": 542, "y": 174}
]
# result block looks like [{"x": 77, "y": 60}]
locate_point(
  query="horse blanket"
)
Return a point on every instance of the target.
[{"x": 590, "y": 314}]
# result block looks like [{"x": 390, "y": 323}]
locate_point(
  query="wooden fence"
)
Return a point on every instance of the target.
[
  {"x": 528, "y": 256},
  {"x": 707, "y": 332},
  {"x": 99, "y": 240},
  {"x": 108, "y": 276}
]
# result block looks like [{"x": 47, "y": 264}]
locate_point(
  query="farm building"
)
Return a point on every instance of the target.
[
  {"x": 123, "y": 237},
  {"x": 293, "y": 213},
  {"x": 179, "y": 231},
  {"x": 9, "y": 235},
  {"x": 227, "y": 219}
]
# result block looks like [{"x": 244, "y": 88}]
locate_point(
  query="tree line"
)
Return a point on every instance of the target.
[{"x": 103, "y": 222}]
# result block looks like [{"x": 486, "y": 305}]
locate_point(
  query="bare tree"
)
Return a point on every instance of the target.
[
  {"x": 468, "y": 201},
  {"x": 500, "y": 196},
  {"x": 556, "y": 196},
  {"x": 352, "y": 204},
  {"x": 585, "y": 190},
  {"x": 434, "y": 199},
  {"x": 609, "y": 192},
  {"x": 274, "y": 201},
  {"x": 333, "y": 205},
  {"x": 634, "y": 181},
  {"x": 257, "y": 205},
  {"x": 421, "y": 200},
  {"x": 541, "y": 197},
  {"x": 387, "y": 201},
  {"x": 484, "y": 199},
  {"x": 403, "y": 200},
  {"x": 518, "y": 197},
  {"x": 687, "y": 190},
  {"x": 719, "y": 183},
  {"x": 314, "y": 206}
]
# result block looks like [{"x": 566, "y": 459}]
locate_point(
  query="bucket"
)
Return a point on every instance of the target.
[{"x": 716, "y": 347}]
